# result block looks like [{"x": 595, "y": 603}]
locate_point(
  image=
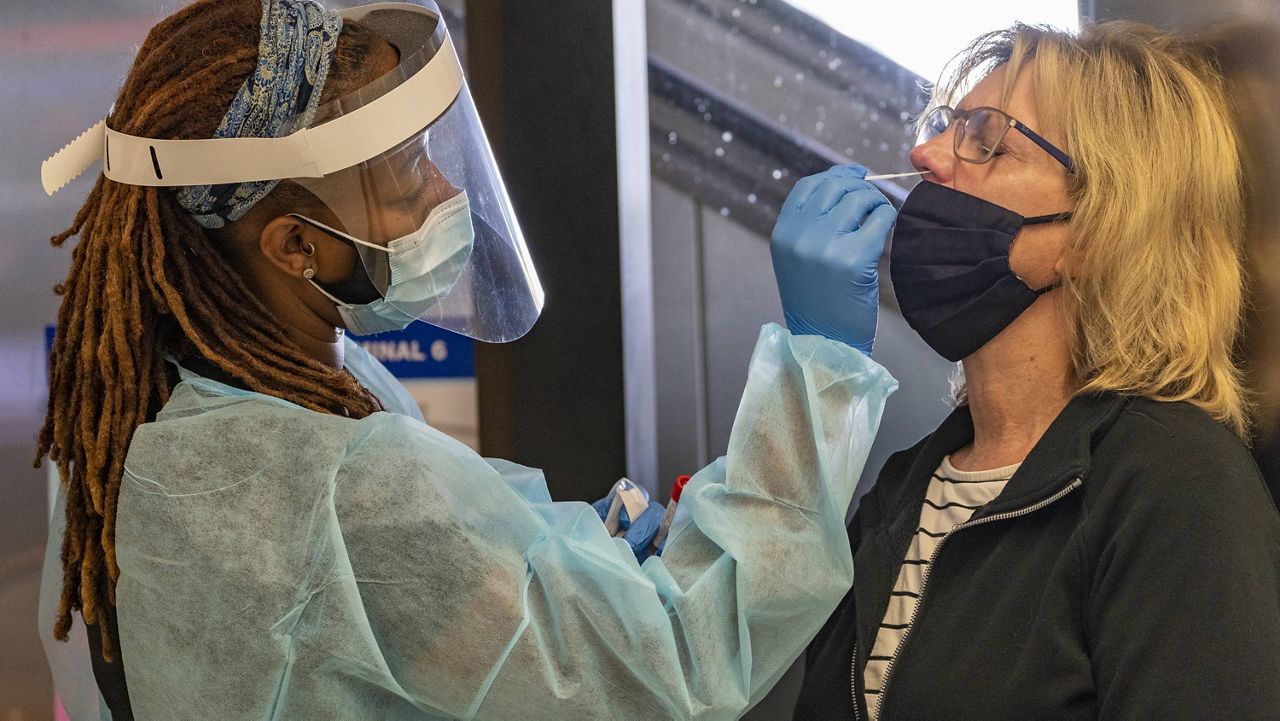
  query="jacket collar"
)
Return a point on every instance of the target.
[{"x": 1062, "y": 455}]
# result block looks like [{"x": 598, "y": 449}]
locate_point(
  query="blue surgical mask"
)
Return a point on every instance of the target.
[{"x": 424, "y": 266}]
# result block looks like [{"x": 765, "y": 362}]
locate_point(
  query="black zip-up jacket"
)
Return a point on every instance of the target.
[{"x": 1129, "y": 570}]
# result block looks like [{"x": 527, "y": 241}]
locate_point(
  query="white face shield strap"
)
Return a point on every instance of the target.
[{"x": 340, "y": 143}]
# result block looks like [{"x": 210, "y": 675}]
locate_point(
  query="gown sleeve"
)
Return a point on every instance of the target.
[{"x": 377, "y": 568}]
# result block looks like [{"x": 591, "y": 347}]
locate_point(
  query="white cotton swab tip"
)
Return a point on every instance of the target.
[{"x": 892, "y": 176}]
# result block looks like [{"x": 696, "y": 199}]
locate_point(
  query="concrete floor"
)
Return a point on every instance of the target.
[{"x": 26, "y": 692}]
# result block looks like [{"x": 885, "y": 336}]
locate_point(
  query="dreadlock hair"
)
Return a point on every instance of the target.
[{"x": 147, "y": 281}]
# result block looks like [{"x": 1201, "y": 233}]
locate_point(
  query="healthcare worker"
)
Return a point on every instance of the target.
[{"x": 255, "y": 522}]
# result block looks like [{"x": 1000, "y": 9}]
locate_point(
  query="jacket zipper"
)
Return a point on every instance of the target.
[
  {"x": 853, "y": 678},
  {"x": 924, "y": 583}
]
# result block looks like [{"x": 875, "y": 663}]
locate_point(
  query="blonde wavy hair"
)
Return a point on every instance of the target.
[{"x": 1154, "y": 284}]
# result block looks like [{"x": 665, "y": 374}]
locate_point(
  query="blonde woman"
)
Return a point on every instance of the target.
[{"x": 1086, "y": 537}]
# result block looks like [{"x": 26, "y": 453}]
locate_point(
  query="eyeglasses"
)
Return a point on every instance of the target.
[{"x": 981, "y": 131}]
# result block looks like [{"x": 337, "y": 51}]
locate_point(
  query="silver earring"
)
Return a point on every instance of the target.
[
  {"x": 307, "y": 249},
  {"x": 309, "y": 273}
]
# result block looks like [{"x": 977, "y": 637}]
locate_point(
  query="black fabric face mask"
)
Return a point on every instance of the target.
[
  {"x": 950, "y": 268},
  {"x": 360, "y": 288}
]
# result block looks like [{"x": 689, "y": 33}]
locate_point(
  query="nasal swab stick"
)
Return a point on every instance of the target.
[{"x": 892, "y": 176}]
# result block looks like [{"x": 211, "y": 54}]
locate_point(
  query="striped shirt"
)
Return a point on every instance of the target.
[{"x": 952, "y": 498}]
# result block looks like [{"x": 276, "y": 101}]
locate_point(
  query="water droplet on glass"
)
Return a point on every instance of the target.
[
  {"x": 884, "y": 147},
  {"x": 673, "y": 138},
  {"x": 751, "y": 198},
  {"x": 819, "y": 126},
  {"x": 727, "y": 136},
  {"x": 835, "y": 63},
  {"x": 724, "y": 212},
  {"x": 737, "y": 13},
  {"x": 777, "y": 174},
  {"x": 799, "y": 77},
  {"x": 777, "y": 81},
  {"x": 719, "y": 152}
]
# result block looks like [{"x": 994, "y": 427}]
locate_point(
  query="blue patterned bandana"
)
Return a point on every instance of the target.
[{"x": 298, "y": 41}]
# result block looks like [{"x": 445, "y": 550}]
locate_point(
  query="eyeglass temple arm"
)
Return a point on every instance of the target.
[{"x": 1048, "y": 147}]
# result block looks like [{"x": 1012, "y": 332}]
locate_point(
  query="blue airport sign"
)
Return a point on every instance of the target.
[{"x": 423, "y": 351}]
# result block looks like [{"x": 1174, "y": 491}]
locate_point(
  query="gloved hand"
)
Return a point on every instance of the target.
[
  {"x": 826, "y": 246},
  {"x": 638, "y": 535}
]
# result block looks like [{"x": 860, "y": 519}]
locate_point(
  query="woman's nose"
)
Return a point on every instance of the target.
[{"x": 935, "y": 156}]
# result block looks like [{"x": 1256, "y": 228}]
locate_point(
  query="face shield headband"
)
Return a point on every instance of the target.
[{"x": 226, "y": 175}]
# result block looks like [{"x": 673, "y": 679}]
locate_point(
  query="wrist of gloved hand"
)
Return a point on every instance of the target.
[{"x": 868, "y": 297}]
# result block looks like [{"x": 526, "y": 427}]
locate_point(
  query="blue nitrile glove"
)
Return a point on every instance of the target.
[
  {"x": 826, "y": 246},
  {"x": 639, "y": 535}
]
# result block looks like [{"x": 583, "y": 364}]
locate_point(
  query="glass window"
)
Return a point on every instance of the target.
[{"x": 924, "y": 39}]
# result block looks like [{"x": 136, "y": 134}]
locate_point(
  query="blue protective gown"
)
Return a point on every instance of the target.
[{"x": 282, "y": 563}]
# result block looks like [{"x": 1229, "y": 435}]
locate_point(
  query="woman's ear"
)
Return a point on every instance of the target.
[
  {"x": 284, "y": 244},
  {"x": 1063, "y": 267}
]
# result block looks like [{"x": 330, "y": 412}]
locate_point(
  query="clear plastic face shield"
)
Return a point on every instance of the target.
[
  {"x": 430, "y": 218},
  {"x": 400, "y": 169}
]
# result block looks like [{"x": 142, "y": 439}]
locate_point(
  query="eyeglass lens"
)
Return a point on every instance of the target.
[{"x": 977, "y": 137}]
